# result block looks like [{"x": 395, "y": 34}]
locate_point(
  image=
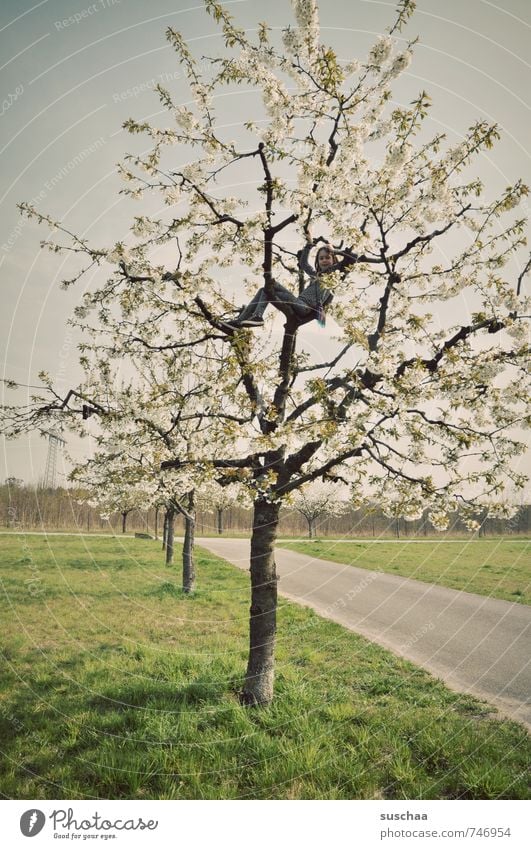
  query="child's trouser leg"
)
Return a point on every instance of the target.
[
  {"x": 255, "y": 308},
  {"x": 283, "y": 296}
]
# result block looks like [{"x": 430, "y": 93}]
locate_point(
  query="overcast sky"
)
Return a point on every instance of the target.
[{"x": 73, "y": 71}]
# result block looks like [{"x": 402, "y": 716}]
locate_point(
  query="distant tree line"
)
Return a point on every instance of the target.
[{"x": 24, "y": 507}]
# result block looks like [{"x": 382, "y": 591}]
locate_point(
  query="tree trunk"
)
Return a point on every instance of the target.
[
  {"x": 170, "y": 530},
  {"x": 124, "y": 520},
  {"x": 310, "y": 527},
  {"x": 156, "y": 522},
  {"x": 482, "y": 530},
  {"x": 220, "y": 520},
  {"x": 259, "y": 679},
  {"x": 165, "y": 530},
  {"x": 188, "y": 554}
]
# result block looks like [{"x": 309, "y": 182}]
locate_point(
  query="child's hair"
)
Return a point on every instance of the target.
[{"x": 321, "y": 249}]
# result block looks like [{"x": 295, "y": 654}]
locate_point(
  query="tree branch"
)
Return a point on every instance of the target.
[
  {"x": 322, "y": 471},
  {"x": 522, "y": 275},
  {"x": 420, "y": 239},
  {"x": 328, "y": 365},
  {"x": 491, "y": 325}
]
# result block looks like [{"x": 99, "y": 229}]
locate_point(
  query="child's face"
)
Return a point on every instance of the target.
[{"x": 325, "y": 259}]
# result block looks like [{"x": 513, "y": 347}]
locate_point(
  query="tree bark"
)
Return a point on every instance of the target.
[
  {"x": 165, "y": 530},
  {"x": 156, "y": 522},
  {"x": 124, "y": 520},
  {"x": 188, "y": 547},
  {"x": 220, "y": 520},
  {"x": 170, "y": 530},
  {"x": 259, "y": 679}
]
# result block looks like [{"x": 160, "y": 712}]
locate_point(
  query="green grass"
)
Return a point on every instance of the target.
[
  {"x": 497, "y": 568},
  {"x": 115, "y": 685}
]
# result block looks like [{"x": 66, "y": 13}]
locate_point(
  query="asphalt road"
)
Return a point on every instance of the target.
[{"x": 473, "y": 643}]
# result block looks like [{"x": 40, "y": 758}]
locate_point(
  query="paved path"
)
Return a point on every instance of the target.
[{"x": 475, "y": 644}]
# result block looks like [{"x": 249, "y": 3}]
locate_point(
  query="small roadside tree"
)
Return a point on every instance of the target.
[
  {"x": 139, "y": 428},
  {"x": 112, "y": 480},
  {"x": 411, "y": 406},
  {"x": 106, "y": 486},
  {"x": 219, "y": 498},
  {"x": 316, "y": 501}
]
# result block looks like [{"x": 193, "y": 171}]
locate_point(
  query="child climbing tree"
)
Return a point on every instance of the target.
[{"x": 416, "y": 399}]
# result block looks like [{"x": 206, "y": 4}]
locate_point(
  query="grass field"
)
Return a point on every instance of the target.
[
  {"x": 497, "y": 568},
  {"x": 115, "y": 685}
]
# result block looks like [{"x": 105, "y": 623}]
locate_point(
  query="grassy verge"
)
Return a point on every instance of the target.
[
  {"x": 109, "y": 532},
  {"x": 497, "y": 568},
  {"x": 114, "y": 685}
]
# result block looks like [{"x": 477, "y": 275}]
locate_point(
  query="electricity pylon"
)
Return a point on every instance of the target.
[{"x": 55, "y": 442}]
